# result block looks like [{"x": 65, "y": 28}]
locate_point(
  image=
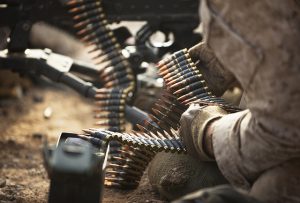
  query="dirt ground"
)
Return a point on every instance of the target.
[{"x": 22, "y": 127}]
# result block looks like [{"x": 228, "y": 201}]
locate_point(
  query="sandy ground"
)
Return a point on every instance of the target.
[{"x": 22, "y": 127}]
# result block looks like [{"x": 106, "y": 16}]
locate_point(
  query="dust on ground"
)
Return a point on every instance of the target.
[{"x": 22, "y": 128}]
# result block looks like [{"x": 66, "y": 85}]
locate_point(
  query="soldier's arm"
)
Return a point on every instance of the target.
[{"x": 248, "y": 143}]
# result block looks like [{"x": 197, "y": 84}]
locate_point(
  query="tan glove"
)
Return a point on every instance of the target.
[
  {"x": 217, "y": 77},
  {"x": 193, "y": 124}
]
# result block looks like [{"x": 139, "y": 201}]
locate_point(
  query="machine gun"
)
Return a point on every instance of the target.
[
  {"x": 145, "y": 48},
  {"x": 176, "y": 20},
  {"x": 20, "y": 15},
  {"x": 57, "y": 68},
  {"x": 180, "y": 19}
]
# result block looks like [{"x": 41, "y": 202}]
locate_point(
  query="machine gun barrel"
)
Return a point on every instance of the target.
[
  {"x": 55, "y": 67},
  {"x": 179, "y": 17}
]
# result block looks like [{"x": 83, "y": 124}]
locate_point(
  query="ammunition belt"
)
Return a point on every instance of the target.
[
  {"x": 184, "y": 80},
  {"x": 119, "y": 83},
  {"x": 184, "y": 85},
  {"x": 155, "y": 142},
  {"x": 114, "y": 70},
  {"x": 128, "y": 167}
]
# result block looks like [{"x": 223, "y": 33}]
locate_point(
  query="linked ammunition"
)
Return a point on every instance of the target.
[
  {"x": 169, "y": 111},
  {"x": 180, "y": 74},
  {"x": 164, "y": 117},
  {"x": 197, "y": 94},
  {"x": 110, "y": 91},
  {"x": 85, "y": 7},
  {"x": 93, "y": 27},
  {"x": 102, "y": 44},
  {"x": 90, "y": 21},
  {"x": 108, "y": 50},
  {"x": 110, "y": 108},
  {"x": 164, "y": 142},
  {"x": 123, "y": 182},
  {"x": 107, "y": 96},
  {"x": 120, "y": 185},
  {"x": 116, "y": 129},
  {"x": 157, "y": 146},
  {"x": 74, "y": 2},
  {"x": 129, "y": 162},
  {"x": 175, "y": 104},
  {"x": 132, "y": 157},
  {"x": 175, "y": 68},
  {"x": 94, "y": 141},
  {"x": 158, "y": 143},
  {"x": 150, "y": 125},
  {"x": 182, "y": 81},
  {"x": 153, "y": 142},
  {"x": 117, "y": 67},
  {"x": 126, "y": 169},
  {"x": 179, "y": 59},
  {"x": 191, "y": 87},
  {"x": 117, "y": 82},
  {"x": 109, "y": 115},
  {"x": 114, "y": 71},
  {"x": 111, "y": 102},
  {"x": 175, "y": 108},
  {"x": 160, "y": 123},
  {"x": 89, "y": 13},
  {"x": 131, "y": 140},
  {"x": 143, "y": 154},
  {"x": 117, "y": 75},
  {"x": 141, "y": 142},
  {"x": 97, "y": 134},
  {"x": 100, "y": 35},
  {"x": 121, "y": 174},
  {"x": 185, "y": 74}
]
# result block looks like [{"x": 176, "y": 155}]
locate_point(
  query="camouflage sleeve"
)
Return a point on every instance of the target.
[
  {"x": 262, "y": 54},
  {"x": 246, "y": 145}
]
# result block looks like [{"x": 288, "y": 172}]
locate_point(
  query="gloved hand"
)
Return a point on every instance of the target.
[
  {"x": 217, "y": 77},
  {"x": 193, "y": 129}
]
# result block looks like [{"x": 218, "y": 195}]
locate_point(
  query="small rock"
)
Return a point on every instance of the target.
[
  {"x": 2, "y": 183},
  {"x": 48, "y": 112}
]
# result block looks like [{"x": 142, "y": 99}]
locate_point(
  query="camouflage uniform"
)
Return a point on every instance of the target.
[{"x": 257, "y": 43}]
